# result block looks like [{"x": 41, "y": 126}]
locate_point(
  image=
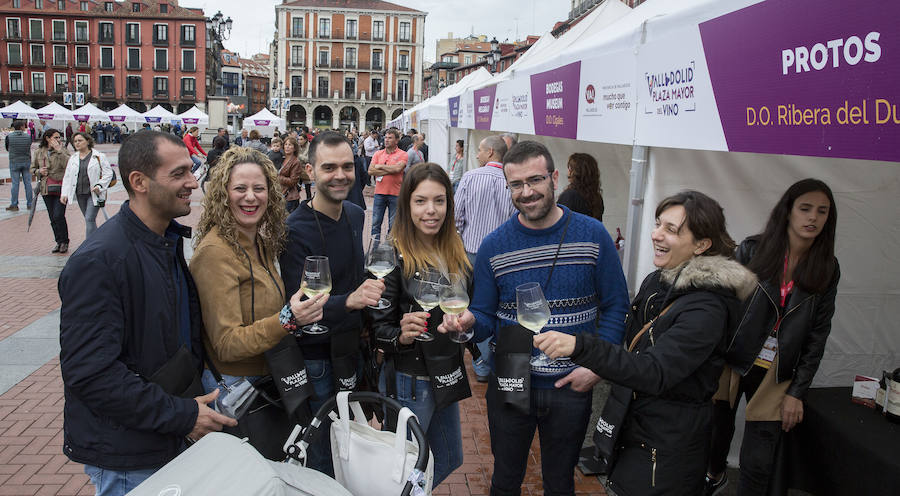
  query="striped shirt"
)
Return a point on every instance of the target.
[{"x": 482, "y": 204}]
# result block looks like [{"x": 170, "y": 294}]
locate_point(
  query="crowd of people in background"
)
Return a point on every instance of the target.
[{"x": 716, "y": 321}]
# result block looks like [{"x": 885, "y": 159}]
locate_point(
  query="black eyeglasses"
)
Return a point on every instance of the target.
[{"x": 532, "y": 182}]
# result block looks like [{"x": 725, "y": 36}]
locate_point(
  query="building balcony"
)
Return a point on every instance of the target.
[
  {"x": 189, "y": 95},
  {"x": 322, "y": 94},
  {"x": 83, "y": 40},
  {"x": 161, "y": 68},
  {"x": 296, "y": 35},
  {"x": 350, "y": 37},
  {"x": 108, "y": 92},
  {"x": 35, "y": 37},
  {"x": 133, "y": 67},
  {"x": 158, "y": 42},
  {"x": 377, "y": 66},
  {"x": 325, "y": 36},
  {"x": 378, "y": 37},
  {"x": 322, "y": 63},
  {"x": 14, "y": 36},
  {"x": 36, "y": 63},
  {"x": 160, "y": 95},
  {"x": 350, "y": 95},
  {"x": 17, "y": 62},
  {"x": 106, "y": 40},
  {"x": 296, "y": 93},
  {"x": 297, "y": 64},
  {"x": 188, "y": 43},
  {"x": 403, "y": 39},
  {"x": 350, "y": 64},
  {"x": 58, "y": 38},
  {"x": 133, "y": 41},
  {"x": 134, "y": 93},
  {"x": 189, "y": 68},
  {"x": 62, "y": 64},
  {"x": 403, "y": 68},
  {"x": 377, "y": 96}
]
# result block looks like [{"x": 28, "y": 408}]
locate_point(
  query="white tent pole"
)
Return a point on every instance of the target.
[{"x": 640, "y": 155}]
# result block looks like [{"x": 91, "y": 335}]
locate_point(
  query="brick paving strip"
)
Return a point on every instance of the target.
[{"x": 31, "y": 389}]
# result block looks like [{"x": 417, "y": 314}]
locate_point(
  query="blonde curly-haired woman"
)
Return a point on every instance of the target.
[{"x": 241, "y": 231}]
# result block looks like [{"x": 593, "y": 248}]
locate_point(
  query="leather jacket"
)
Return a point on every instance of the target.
[{"x": 804, "y": 329}]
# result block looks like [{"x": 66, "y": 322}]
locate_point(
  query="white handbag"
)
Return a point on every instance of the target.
[{"x": 369, "y": 462}]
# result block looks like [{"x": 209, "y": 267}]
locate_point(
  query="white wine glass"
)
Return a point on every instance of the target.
[
  {"x": 381, "y": 259},
  {"x": 428, "y": 295},
  {"x": 316, "y": 280},
  {"x": 455, "y": 301},
  {"x": 533, "y": 313}
]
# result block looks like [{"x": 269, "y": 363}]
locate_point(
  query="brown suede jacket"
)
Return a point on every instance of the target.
[{"x": 241, "y": 294}]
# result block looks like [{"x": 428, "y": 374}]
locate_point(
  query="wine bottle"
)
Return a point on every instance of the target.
[{"x": 879, "y": 395}]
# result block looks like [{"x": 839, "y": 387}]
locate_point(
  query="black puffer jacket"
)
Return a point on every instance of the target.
[
  {"x": 801, "y": 335},
  {"x": 672, "y": 373}
]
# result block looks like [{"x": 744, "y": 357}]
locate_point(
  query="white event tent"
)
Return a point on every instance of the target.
[
  {"x": 264, "y": 121},
  {"x": 159, "y": 115},
  {"x": 89, "y": 113},
  {"x": 55, "y": 115},
  {"x": 194, "y": 117},
  {"x": 709, "y": 95},
  {"x": 18, "y": 110},
  {"x": 125, "y": 114}
]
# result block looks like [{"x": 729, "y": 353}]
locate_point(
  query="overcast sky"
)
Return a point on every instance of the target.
[{"x": 254, "y": 27}]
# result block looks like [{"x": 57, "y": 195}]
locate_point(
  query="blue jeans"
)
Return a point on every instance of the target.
[
  {"x": 116, "y": 482},
  {"x": 319, "y": 453},
  {"x": 382, "y": 203},
  {"x": 197, "y": 163},
  {"x": 560, "y": 416},
  {"x": 442, "y": 427},
  {"x": 20, "y": 172},
  {"x": 89, "y": 210}
]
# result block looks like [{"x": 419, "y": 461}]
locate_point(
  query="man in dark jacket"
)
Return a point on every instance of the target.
[
  {"x": 332, "y": 226},
  {"x": 18, "y": 144},
  {"x": 129, "y": 305}
]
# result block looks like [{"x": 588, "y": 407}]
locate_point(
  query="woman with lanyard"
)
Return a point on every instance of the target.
[
  {"x": 675, "y": 335},
  {"x": 425, "y": 238},
  {"x": 781, "y": 339},
  {"x": 240, "y": 233},
  {"x": 87, "y": 178}
]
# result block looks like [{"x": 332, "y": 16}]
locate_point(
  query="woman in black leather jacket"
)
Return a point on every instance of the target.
[
  {"x": 778, "y": 346},
  {"x": 675, "y": 337},
  {"x": 426, "y": 376}
]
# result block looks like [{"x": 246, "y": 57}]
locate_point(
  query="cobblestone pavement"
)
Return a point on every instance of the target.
[{"x": 31, "y": 390}]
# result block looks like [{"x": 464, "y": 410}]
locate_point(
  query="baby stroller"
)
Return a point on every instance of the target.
[{"x": 222, "y": 464}]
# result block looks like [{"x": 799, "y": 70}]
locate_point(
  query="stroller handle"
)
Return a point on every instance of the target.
[{"x": 367, "y": 397}]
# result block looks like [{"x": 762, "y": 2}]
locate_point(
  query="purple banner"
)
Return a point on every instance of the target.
[
  {"x": 805, "y": 77},
  {"x": 152, "y": 119},
  {"x": 484, "y": 106},
  {"x": 46, "y": 117},
  {"x": 453, "y": 103},
  {"x": 554, "y": 98},
  {"x": 9, "y": 115},
  {"x": 261, "y": 122},
  {"x": 81, "y": 117},
  {"x": 117, "y": 118},
  {"x": 190, "y": 120}
]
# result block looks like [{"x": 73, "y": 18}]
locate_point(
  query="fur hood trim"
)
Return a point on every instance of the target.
[{"x": 712, "y": 272}]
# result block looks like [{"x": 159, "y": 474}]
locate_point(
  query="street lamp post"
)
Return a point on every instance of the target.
[
  {"x": 493, "y": 57},
  {"x": 218, "y": 30}
]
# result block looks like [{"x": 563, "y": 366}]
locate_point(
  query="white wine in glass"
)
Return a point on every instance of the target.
[
  {"x": 428, "y": 295},
  {"x": 533, "y": 313},
  {"x": 380, "y": 261},
  {"x": 316, "y": 280},
  {"x": 454, "y": 301}
]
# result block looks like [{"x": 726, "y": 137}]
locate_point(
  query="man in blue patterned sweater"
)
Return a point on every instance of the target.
[{"x": 587, "y": 293}]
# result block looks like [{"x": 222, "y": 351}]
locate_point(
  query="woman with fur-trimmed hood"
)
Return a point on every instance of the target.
[{"x": 675, "y": 339}]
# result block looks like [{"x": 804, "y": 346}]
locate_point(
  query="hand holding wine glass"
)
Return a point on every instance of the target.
[
  {"x": 380, "y": 261},
  {"x": 316, "y": 280},
  {"x": 454, "y": 301},
  {"x": 428, "y": 295},
  {"x": 533, "y": 313}
]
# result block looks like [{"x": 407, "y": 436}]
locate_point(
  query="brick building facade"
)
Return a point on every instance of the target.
[
  {"x": 140, "y": 52},
  {"x": 346, "y": 63}
]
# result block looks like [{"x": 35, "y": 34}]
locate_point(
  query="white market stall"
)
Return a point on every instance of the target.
[
  {"x": 159, "y": 115},
  {"x": 265, "y": 122},
  {"x": 125, "y": 115},
  {"x": 89, "y": 113},
  {"x": 55, "y": 115},
  {"x": 739, "y": 99},
  {"x": 194, "y": 117},
  {"x": 18, "y": 110}
]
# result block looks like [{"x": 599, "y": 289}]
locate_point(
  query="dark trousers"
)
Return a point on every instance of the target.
[
  {"x": 57, "y": 213},
  {"x": 560, "y": 417},
  {"x": 758, "y": 446}
]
